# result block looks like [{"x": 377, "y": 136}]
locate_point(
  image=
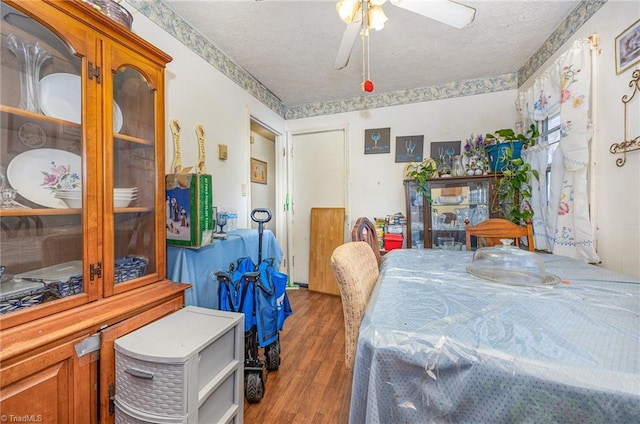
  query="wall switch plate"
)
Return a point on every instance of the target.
[
  {"x": 222, "y": 151},
  {"x": 243, "y": 190}
]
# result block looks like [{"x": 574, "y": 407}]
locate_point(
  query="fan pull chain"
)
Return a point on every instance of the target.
[
  {"x": 364, "y": 67},
  {"x": 368, "y": 56},
  {"x": 367, "y": 84}
]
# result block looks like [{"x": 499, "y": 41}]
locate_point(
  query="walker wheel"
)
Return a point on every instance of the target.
[
  {"x": 254, "y": 387},
  {"x": 272, "y": 353}
]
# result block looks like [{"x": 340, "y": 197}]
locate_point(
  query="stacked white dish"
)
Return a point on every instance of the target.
[
  {"x": 122, "y": 197},
  {"x": 73, "y": 197}
]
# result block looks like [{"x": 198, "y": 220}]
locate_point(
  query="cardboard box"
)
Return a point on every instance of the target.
[
  {"x": 393, "y": 241},
  {"x": 189, "y": 210}
]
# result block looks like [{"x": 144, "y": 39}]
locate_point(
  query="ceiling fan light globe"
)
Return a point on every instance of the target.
[
  {"x": 347, "y": 10},
  {"x": 377, "y": 18}
]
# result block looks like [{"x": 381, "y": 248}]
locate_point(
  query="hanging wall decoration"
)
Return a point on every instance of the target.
[
  {"x": 409, "y": 148},
  {"x": 377, "y": 140},
  {"x": 628, "y": 144},
  {"x": 258, "y": 171},
  {"x": 628, "y": 47},
  {"x": 443, "y": 153}
]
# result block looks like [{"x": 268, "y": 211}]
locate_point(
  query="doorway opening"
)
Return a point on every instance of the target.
[{"x": 263, "y": 172}]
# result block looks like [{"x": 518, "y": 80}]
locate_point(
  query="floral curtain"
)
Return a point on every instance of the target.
[{"x": 562, "y": 222}]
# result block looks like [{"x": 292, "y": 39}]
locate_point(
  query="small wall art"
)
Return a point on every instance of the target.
[
  {"x": 377, "y": 140},
  {"x": 441, "y": 150},
  {"x": 409, "y": 148},
  {"x": 258, "y": 171},
  {"x": 628, "y": 47}
]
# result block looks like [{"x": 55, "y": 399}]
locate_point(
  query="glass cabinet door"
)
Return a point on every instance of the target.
[
  {"x": 454, "y": 202},
  {"x": 132, "y": 195},
  {"x": 42, "y": 154},
  {"x": 415, "y": 216}
]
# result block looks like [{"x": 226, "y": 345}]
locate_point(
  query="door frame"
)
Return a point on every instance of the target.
[
  {"x": 279, "y": 179},
  {"x": 289, "y": 183}
]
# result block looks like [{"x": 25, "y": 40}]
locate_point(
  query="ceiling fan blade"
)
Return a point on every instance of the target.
[
  {"x": 448, "y": 12},
  {"x": 346, "y": 45}
]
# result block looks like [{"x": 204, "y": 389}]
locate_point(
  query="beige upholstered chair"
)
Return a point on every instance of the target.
[
  {"x": 494, "y": 229},
  {"x": 364, "y": 230},
  {"x": 355, "y": 267}
]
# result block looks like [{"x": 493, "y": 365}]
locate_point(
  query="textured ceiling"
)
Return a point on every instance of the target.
[{"x": 290, "y": 46}]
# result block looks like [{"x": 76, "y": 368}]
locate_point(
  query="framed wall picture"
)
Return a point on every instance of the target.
[
  {"x": 258, "y": 171},
  {"x": 409, "y": 148},
  {"x": 628, "y": 47},
  {"x": 442, "y": 149},
  {"x": 377, "y": 140}
]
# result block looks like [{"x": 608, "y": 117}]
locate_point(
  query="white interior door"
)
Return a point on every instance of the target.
[{"x": 318, "y": 180}]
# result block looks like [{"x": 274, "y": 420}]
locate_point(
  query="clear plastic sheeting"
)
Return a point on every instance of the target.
[{"x": 439, "y": 345}]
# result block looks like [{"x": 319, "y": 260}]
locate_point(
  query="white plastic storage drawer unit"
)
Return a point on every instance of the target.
[{"x": 184, "y": 368}]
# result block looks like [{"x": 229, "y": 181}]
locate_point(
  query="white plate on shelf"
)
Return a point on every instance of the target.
[
  {"x": 59, "y": 272},
  {"x": 28, "y": 172},
  {"x": 449, "y": 200},
  {"x": 60, "y": 97}
]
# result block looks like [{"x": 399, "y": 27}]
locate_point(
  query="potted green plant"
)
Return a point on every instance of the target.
[
  {"x": 513, "y": 186},
  {"x": 424, "y": 171},
  {"x": 497, "y": 142}
]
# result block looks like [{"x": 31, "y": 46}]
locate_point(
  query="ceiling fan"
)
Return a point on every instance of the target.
[{"x": 363, "y": 15}]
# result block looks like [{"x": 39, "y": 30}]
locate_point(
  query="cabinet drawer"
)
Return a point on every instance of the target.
[
  {"x": 218, "y": 406},
  {"x": 153, "y": 387},
  {"x": 126, "y": 415}
]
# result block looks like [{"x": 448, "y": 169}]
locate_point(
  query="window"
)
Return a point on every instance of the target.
[{"x": 550, "y": 132}]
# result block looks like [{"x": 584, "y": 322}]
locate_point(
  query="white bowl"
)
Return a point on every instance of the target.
[
  {"x": 67, "y": 196},
  {"x": 73, "y": 203},
  {"x": 121, "y": 203}
]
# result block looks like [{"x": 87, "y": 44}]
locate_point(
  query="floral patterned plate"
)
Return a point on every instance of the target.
[{"x": 38, "y": 173}]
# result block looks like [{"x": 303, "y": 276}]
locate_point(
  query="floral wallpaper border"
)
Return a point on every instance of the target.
[
  {"x": 161, "y": 14},
  {"x": 565, "y": 30}
]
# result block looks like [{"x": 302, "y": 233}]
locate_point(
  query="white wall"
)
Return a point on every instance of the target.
[
  {"x": 616, "y": 190},
  {"x": 375, "y": 181},
  {"x": 196, "y": 93}
]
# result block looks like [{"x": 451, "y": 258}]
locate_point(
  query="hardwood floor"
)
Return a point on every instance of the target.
[{"x": 309, "y": 385}]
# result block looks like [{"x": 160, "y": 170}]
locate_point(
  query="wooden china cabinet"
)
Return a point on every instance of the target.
[
  {"x": 82, "y": 238},
  {"x": 454, "y": 199}
]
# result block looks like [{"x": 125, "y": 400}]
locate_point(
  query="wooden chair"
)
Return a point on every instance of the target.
[
  {"x": 494, "y": 229},
  {"x": 365, "y": 230},
  {"x": 355, "y": 268}
]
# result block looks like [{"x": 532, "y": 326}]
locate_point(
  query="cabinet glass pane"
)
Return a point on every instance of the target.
[
  {"x": 416, "y": 212},
  {"x": 134, "y": 176},
  {"x": 41, "y": 244},
  {"x": 453, "y": 203}
]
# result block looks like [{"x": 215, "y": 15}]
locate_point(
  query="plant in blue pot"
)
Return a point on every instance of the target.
[
  {"x": 513, "y": 187},
  {"x": 505, "y": 144}
]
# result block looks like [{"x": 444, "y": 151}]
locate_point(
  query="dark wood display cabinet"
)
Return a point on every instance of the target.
[
  {"x": 82, "y": 212},
  {"x": 454, "y": 199}
]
